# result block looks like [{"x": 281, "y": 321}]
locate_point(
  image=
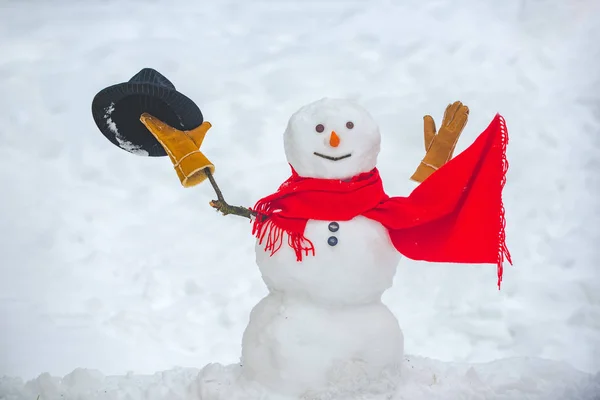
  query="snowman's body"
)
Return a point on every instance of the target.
[{"x": 323, "y": 319}]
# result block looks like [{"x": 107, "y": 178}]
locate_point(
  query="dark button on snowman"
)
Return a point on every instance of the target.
[{"x": 334, "y": 227}]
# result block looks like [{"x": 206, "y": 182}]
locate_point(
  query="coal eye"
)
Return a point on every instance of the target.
[
  {"x": 349, "y": 124},
  {"x": 319, "y": 128}
]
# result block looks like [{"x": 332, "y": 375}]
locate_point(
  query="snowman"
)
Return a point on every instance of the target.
[
  {"x": 328, "y": 241},
  {"x": 324, "y": 314}
]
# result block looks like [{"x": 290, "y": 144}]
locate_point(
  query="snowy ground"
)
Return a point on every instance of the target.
[
  {"x": 422, "y": 379},
  {"x": 108, "y": 263}
]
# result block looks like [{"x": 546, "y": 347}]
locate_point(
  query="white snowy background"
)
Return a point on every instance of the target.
[{"x": 106, "y": 262}]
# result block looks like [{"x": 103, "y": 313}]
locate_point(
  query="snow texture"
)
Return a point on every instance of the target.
[
  {"x": 107, "y": 263},
  {"x": 422, "y": 378},
  {"x": 123, "y": 143}
]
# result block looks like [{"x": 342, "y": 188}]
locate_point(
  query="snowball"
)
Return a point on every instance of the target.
[{"x": 359, "y": 142}]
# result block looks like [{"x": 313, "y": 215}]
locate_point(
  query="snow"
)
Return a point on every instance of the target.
[
  {"x": 107, "y": 263},
  {"x": 293, "y": 344},
  {"x": 123, "y": 143},
  {"x": 422, "y": 378}
]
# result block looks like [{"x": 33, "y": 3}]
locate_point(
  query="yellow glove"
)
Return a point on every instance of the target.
[
  {"x": 440, "y": 147},
  {"x": 183, "y": 148}
]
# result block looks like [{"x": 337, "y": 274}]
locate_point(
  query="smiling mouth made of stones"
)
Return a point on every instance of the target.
[{"x": 332, "y": 158}]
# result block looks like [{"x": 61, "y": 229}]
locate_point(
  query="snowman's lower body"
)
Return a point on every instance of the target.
[{"x": 295, "y": 346}]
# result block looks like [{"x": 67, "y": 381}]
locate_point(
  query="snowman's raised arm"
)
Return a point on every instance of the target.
[
  {"x": 191, "y": 165},
  {"x": 221, "y": 205},
  {"x": 440, "y": 146}
]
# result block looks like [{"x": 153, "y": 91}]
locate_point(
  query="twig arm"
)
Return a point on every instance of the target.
[{"x": 221, "y": 205}]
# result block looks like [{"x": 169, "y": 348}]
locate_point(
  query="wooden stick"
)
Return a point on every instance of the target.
[{"x": 221, "y": 205}]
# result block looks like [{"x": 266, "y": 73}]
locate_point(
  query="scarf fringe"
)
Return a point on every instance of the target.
[
  {"x": 300, "y": 244},
  {"x": 264, "y": 227},
  {"x": 503, "y": 253}
]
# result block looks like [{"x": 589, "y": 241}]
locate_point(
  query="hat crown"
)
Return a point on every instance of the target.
[{"x": 149, "y": 75}]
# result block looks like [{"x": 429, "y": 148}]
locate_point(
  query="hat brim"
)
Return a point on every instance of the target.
[{"x": 117, "y": 110}]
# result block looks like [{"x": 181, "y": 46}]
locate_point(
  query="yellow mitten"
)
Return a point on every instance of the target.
[
  {"x": 440, "y": 147},
  {"x": 183, "y": 148}
]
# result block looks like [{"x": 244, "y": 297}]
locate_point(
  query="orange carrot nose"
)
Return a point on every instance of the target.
[{"x": 334, "y": 139}]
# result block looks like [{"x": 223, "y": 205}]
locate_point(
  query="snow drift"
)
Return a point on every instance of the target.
[{"x": 422, "y": 378}]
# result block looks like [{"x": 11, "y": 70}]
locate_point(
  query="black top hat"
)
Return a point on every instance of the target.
[{"x": 117, "y": 110}]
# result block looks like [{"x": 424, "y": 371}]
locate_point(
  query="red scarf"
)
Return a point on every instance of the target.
[{"x": 456, "y": 215}]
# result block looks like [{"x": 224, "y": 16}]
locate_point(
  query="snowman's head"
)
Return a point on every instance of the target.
[{"x": 332, "y": 139}]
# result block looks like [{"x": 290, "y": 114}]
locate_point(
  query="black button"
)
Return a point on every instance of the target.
[
  {"x": 332, "y": 241},
  {"x": 334, "y": 226}
]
